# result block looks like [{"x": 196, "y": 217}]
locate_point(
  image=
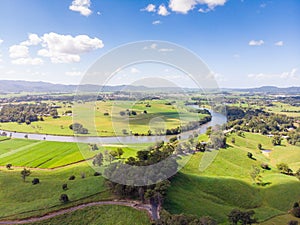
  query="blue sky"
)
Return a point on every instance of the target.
[{"x": 245, "y": 43}]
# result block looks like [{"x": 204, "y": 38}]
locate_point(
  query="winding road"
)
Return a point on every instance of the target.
[{"x": 153, "y": 214}]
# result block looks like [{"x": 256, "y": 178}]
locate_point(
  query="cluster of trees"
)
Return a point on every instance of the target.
[
  {"x": 189, "y": 126},
  {"x": 236, "y": 217},
  {"x": 173, "y": 219},
  {"x": 128, "y": 113},
  {"x": 135, "y": 168},
  {"x": 26, "y": 113},
  {"x": 257, "y": 121},
  {"x": 78, "y": 128}
]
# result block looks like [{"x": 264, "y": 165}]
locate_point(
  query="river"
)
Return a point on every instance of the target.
[{"x": 217, "y": 119}]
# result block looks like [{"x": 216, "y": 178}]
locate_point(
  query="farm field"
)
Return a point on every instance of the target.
[
  {"x": 47, "y": 154},
  {"x": 198, "y": 193},
  {"x": 112, "y": 123}
]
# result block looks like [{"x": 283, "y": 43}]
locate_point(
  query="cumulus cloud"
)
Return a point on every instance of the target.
[
  {"x": 256, "y": 43},
  {"x": 27, "y": 61},
  {"x": 279, "y": 43},
  {"x": 18, "y": 51},
  {"x": 162, "y": 10},
  {"x": 81, "y": 6},
  {"x": 1, "y": 41},
  {"x": 66, "y": 48},
  {"x": 149, "y": 8},
  {"x": 184, "y": 6},
  {"x": 33, "y": 39},
  {"x": 293, "y": 74},
  {"x": 156, "y": 22}
]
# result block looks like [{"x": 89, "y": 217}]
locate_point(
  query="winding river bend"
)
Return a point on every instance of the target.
[{"x": 217, "y": 119}]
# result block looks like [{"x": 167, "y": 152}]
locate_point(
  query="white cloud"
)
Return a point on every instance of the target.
[
  {"x": 81, "y": 6},
  {"x": 256, "y": 43},
  {"x": 162, "y": 10},
  {"x": 166, "y": 50},
  {"x": 73, "y": 73},
  {"x": 279, "y": 43},
  {"x": 18, "y": 51},
  {"x": 1, "y": 41},
  {"x": 184, "y": 6},
  {"x": 33, "y": 39},
  {"x": 27, "y": 61},
  {"x": 156, "y": 22},
  {"x": 134, "y": 70},
  {"x": 149, "y": 8},
  {"x": 66, "y": 48},
  {"x": 293, "y": 74},
  {"x": 98, "y": 13}
]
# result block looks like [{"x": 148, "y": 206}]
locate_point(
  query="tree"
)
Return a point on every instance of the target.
[
  {"x": 255, "y": 175},
  {"x": 95, "y": 147},
  {"x": 233, "y": 140},
  {"x": 120, "y": 152},
  {"x": 259, "y": 146},
  {"x": 236, "y": 216},
  {"x": 65, "y": 187},
  {"x": 98, "y": 160},
  {"x": 64, "y": 198},
  {"x": 276, "y": 140},
  {"x": 25, "y": 173},
  {"x": 284, "y": 168},
  {"x": 293, "y": 222},
  {"x": 218, "y": 139},
  {"x": 250, "y": 155},
  {"x": 297, "y": 174},
  {"x": 113, "y": 153},
  {"x": 8, "y": 166},
  {"x": 108, "y": 157}
]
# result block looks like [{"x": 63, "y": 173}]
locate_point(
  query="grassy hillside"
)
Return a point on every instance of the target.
[
  {"x": 22, "y": 199},
  {"x": 226, "y": 184},
  {"x": 101, "y": 215}
]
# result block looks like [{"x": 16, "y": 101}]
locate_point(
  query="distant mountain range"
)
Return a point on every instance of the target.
[{"x": 10, "y": 86}]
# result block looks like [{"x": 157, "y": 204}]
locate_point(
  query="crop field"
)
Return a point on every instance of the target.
[
  {"x": 158, "y": 116},
  {"x": 198, "y": 193},
  {"x": 47, "y": 154}
]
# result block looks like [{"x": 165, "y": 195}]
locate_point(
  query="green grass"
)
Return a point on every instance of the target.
[
  {"x": 226, "y": 183},
  {"x": 22, "y": 199},
  {"x": 101, "y": 215},
  {"x": 48, "y": 154},
  {"x": 112, "y": 125}
]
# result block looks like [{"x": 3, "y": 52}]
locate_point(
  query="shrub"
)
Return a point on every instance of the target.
[
  {"x": 250, "y": 155},
  {"x": 64, "y": 198},
  {"x": 35, "y": 181},
  {"x": 96, "y": 174},
  {"x": 8, "y": 166},
  {"x": 293, "y": 222},
  {"x": 65, "y": 187},
  {"x": 296, "y": 212},
  {"x": 265, "y": 166},
  {"x": 72, "y": 177}
]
